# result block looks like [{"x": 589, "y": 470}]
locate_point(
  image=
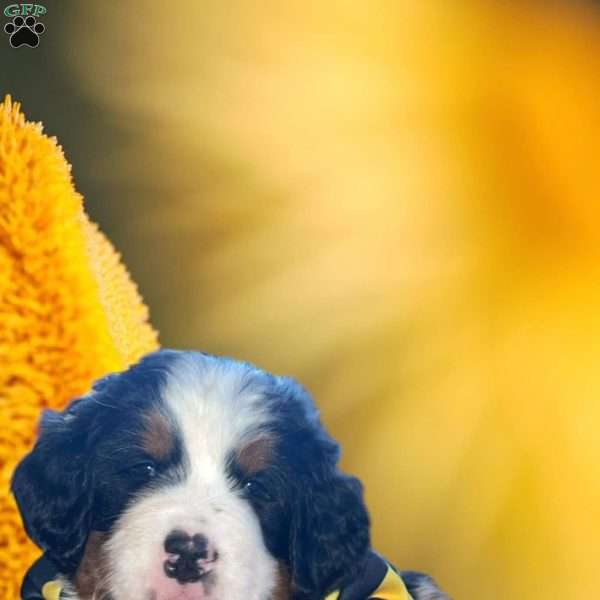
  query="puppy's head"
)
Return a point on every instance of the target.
[{"x": 193, "y": 477}]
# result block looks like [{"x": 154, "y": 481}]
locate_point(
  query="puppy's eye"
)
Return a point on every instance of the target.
[
  {"x": 256, "y": 490},
  {"x": 143, "y": 471}
]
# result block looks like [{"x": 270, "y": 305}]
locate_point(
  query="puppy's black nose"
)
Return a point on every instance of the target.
[
  {"x": 186, "y": 546},
  {"x": 189, "y": 556}
]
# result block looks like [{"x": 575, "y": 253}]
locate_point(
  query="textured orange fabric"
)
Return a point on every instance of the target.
[{"x": 69, "y": 312}]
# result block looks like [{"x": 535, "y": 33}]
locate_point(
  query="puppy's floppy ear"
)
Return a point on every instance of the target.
[
  {"x": 53, "y": 491},
  {"x": 329, "y": 535}
]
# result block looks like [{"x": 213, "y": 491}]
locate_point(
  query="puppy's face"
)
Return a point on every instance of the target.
[{"x": 190, "y": 477}]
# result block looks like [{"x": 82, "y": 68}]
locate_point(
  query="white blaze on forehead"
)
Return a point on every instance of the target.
[{"x": 217, "y": 404}]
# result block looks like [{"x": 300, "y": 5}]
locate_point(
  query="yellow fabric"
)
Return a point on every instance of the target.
[
  {"x": 51, "y": 590},
  {"x": 391, "y": 588},
  {"x": 69, "y": 313}
]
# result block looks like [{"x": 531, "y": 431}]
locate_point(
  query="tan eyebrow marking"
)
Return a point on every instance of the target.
[
  {"x": 157, "y": 439},
  {"x": 256, "y": 455}
]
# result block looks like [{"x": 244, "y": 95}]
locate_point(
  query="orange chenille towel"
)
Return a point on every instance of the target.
[{"x": 69, "y": 313}]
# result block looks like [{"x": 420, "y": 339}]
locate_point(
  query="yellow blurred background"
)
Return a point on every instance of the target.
[{"x": 394, "y": 202}]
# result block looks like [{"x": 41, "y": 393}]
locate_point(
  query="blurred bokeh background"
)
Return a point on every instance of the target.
[{"x": 394, "y": 202}]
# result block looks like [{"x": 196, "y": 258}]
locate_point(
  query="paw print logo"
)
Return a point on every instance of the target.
[{"x": 24, "y": 32}]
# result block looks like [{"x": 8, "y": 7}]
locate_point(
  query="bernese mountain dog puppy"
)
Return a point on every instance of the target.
[{"x": 193, "y": 477}]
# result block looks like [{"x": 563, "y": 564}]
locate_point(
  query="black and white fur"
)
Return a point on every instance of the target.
[{"x": 100, "y": 496}]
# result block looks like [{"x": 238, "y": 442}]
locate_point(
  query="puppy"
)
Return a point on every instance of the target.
[{"x": 192, "y": 477}]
